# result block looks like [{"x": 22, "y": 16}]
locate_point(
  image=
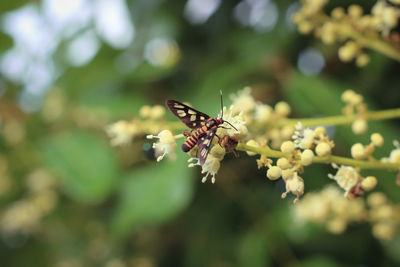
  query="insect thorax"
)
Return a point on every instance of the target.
[{"x": 213, "y": 123}]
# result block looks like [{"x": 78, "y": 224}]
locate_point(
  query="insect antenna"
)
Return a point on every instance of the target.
[
  {"x": 222, "y": 112},
  {"x": 231, "y": 125},
  {"x": 222, "y": 105}
]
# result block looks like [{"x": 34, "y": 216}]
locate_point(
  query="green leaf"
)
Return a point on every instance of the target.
[
  {"x": 6, "y": 42},
  {"x": 145, "y": 72},
  {"x": 116, "y": 106},
  {"x": 253, "y": 250},
  {"x": 153, "y": 195},
  {"x": 85, "y": 165},
  {"x": 11, "y": 5},
  {"x": 319, "y": 261},
  {"x": 96, "y": 76}
]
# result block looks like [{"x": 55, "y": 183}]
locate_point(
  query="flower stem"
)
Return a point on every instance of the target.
[
  {"x": 343, "y": 119},
  {"x": 362, "y": 164},
  {"x": 373, "y": 43}
]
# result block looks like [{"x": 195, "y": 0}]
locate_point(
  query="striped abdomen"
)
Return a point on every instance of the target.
[{"x": 192, "y": 140}]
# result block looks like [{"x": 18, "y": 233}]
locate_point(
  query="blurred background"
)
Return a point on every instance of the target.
[{"x": 68, "y": 68}]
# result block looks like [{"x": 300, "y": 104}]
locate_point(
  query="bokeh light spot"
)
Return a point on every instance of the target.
[
  {"x": 83, "y": 48},
  {"x": 198, "y": 11},
  {"x": 162, "y": 52},
  {"x": 262, "y": 15},
  {"x": 310, "y": 62},
  {"x": 113, "y": 23}
]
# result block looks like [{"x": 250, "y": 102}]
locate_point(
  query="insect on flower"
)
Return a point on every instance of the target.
[{"x": 203, "y": 127}]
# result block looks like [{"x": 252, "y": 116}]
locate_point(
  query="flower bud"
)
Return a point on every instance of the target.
[
  {"x": 359, "y": 126},
  {"x": 307, "y": 157},
  {"x": 362, "y": 60},
  {"x": 369, "y": 183},
  {"x": 376, "y": 199},
  {"x": 348, "y": 95},
  {"x": 157, "y": 112},
  {"x": 286, "y": 174},
  {"x": 283, "y": 163},
  {"x": 320, "y": 131},
  {"x": 252, "y": 143},
  {"x": 145, "y": 111},
  {"x": 358, "y": 151},
  {"x": 287, "y": 147},
  {"x": 282, "y": 108},
  {"x": 323, "y": 149},
  {"x": 377, "y": 139},
  {"x": 355, "y": 11},
  {"x": 274, "y": 173}
]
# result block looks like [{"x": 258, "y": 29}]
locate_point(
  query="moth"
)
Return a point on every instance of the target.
[{"x": 203, "y": 127}]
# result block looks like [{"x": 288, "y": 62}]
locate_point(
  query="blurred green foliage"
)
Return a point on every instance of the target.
[
  {"x": 89, "y": 177},
  {"x": 117, "y": 206}
]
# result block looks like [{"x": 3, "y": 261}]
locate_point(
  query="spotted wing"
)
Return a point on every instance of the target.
[
  {"x": 204, "y": 144},
  {"x": 189, "y": 116}
]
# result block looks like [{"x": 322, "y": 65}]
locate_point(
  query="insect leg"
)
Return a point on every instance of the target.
[
  {"x": 220, "y": 139},
  {"x": 187, "y": 133}
]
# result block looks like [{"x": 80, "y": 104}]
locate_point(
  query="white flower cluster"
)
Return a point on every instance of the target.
[
  {"x": 355, "y": 105},
  {"x": 360, "y": 151},
  {"x": 351, "y": 26},
  {"x": 212, "y": 164},
  {"x": 24, "y": 215},
  {"x": 122, "y": 132},
  {"x": 262, "y": 118},
  {"x": 383, "y": 215},
  {"x": 394, "y": 156},
  {"x": 307, "y": 138},
  {"x": 166, "y": 145},
  {"x": 328, "y": 207},
  {"x": 286, "y": 167},
  {"x": 237, "y": 120}
]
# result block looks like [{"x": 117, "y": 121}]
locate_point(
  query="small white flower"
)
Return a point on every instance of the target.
[
  {"x": 303, "y": 138},
  {"x": 299, "y": 126},
  {"x": 218, "y": 152},
  {"x": 263, "y": 113},
  {"x": 237, "y": 121},
  {"x": 346, "y": 177},
  {"x": 165, "y": 146},
  {"x": 121, "y": 132},
  {"x": 294, "y": 185},
  {"x": 395, "y": 156},
  {"x": 243, "y": 101},
  {"x": 282, "y": 108},
  {"x": 210, "y": 167}
]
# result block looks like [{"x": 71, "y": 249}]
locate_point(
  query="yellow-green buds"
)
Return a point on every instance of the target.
[{"x": 274, "y": 173}]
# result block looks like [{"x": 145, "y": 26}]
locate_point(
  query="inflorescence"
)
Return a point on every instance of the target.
[
  {"x": 284, "y": 149},
  {"x": 353, "y": 29}
]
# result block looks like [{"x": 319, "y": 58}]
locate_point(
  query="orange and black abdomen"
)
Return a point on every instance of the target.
[
  {"x": 189, "y": 144},
  {"x": 192, "y": 140}
]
